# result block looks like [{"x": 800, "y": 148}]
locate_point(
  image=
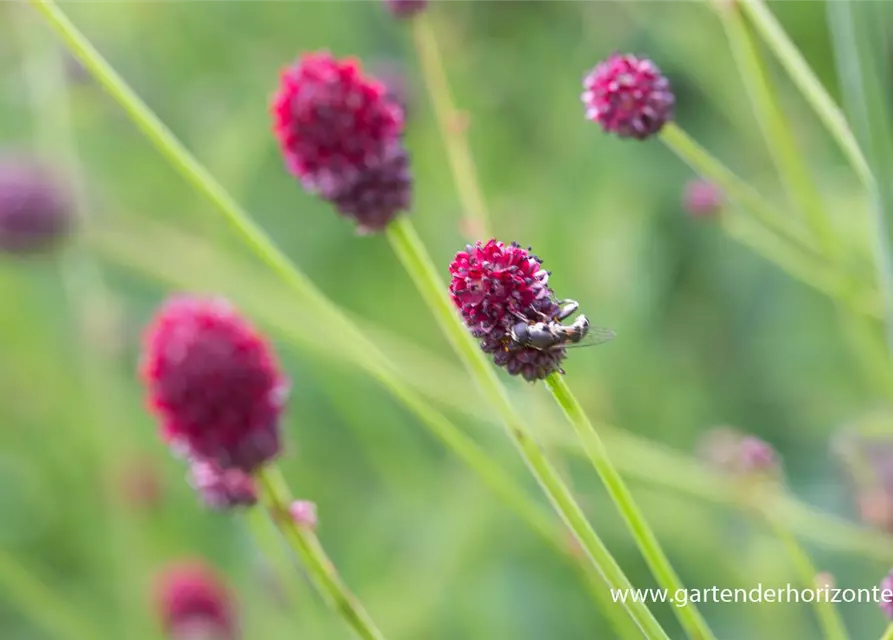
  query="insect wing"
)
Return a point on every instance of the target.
[{"x": 594, "y": 337}]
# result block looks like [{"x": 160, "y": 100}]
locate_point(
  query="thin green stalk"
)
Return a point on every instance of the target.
[
  {"x": 828, "y": 615},
  {"x": 763, "y": 242},
  {"x": 297, "y": 591},
  {"x": 802, "y": 259},
  {"x": 801, "y": 187},
  {"x": 860, "y": 50},
  {"x": 812, "y": 89},
  {"x": 689, "y": 617},
  {"x": 888, "y": 633},
  {"x": 776, "y": 131},
  {"x": 711, "y": 169},
  {"x": 455, "y": 138},
  {"x": 190, "y": 168},
  {"x": 43, "y": 607},
  {"x": 277, "y": 499},
  {"x": 637, "y": 458},
  {"x": 370, "y": 357},
  {"x": 411, "y": 252}
]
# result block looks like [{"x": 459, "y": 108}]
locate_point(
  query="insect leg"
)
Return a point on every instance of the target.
[{"x": 568, "y": 308}]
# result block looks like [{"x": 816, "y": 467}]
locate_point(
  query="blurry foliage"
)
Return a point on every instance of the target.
[{"x": 707, "y": 332}]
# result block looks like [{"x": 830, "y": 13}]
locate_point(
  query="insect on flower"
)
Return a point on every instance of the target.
[{"x": 552, "y": 333}]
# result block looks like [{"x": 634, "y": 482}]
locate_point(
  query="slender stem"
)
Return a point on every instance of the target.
[
  {"x": 276, "y": 498},
  {"x": 776, "y": 131},
  {"x": 452, "y": 130},
  {"x": 700, "y": 160},
  {"x": 861, "y": 61},
  {"x": 411, "y": 252},
  {"x": 828, "y": 615},
  {"x": 801, "y": 187},
  {"x": 689, "y": 617},
  {"x": 763, "y": 242},
  {"x": 795, "y": 254},
  {"x": 298, "y": 592},
  {"x": 364, "y": 352},
  {"x": 810, "y": 86},
  {"x": 637, "y": 458},
  {"x": 888, "y": 633},
  {"x": 41, "y": 605}
]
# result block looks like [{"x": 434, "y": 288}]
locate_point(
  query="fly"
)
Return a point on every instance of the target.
[{"x": 554, "y": 334}]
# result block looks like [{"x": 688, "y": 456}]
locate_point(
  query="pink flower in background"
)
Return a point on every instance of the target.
[
  {"x": 341, "y": 134},
  {"x": 36, "y": 209},
  {"x": 702, "y": 199},
  {"x": 192, "y": 602},
  {"x": 628, "y": 96},
  {"x": 214, "y": 383},
  {"x": 886, "y": 601},
  {"x": 303, "y": 512},
  {"x": 332, "y": 121},
  {"x": 405, "y": 8}
]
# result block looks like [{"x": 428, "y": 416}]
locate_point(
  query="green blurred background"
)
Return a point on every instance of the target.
[{"x": 708, "y": 333}]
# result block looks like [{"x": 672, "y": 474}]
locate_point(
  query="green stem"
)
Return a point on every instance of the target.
[
  {"x": 763, "y": 242},
  {"x": 888, "y": 633},
  {"x": 776, "y": 131},
  {"x": 794, "y": 253},
  {"x": 40, "y": 604},
  {"x": 637, "y": 458},
  {"x": 453, "y": 133},
  {"x": 816, "y": 95},
  {"x": 277, "y": 500},
  {"x": 860, "y": 50},
  {"x": 801, "y": 188},
  {"x": 711, "y": 169},
  {"x": 361, "y": 350},
  {"x": 299, "y": 595},
  {"x": 828, "y": 615},
  {"x": 691, "y": 620},
  {"x": 411, "y": 252}
]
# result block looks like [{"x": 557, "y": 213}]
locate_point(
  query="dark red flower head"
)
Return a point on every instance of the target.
[
  {"x": 628, "y": 96},
  {"x": 376, "y": 195},
  {"x": 36, "y": 209},
  {"x": 214, "y": 383},
  {"x": 332, "y": 121},
  {"x": 495, "y": 286},
  {"x": 222, "y": 488},
  {"x": 405, "y": 8},
  {"x": 193, "y": 602}
]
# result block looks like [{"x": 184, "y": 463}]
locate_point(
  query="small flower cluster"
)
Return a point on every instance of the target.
[
  {"x": 404, "y": 9},
  {"x": 36, "y": 209},
  {"x": 495, "y": 286},
  {"x": 192, "y": 602},
  {"x": 740, "y": 455},
  {"x": 867, "y": 461},
  {"x": 340, "y": 132},
  {"x": 702, "y": 199},
  {"x": 628, "y": 96},
  {"x": 218, "y": 392}
]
